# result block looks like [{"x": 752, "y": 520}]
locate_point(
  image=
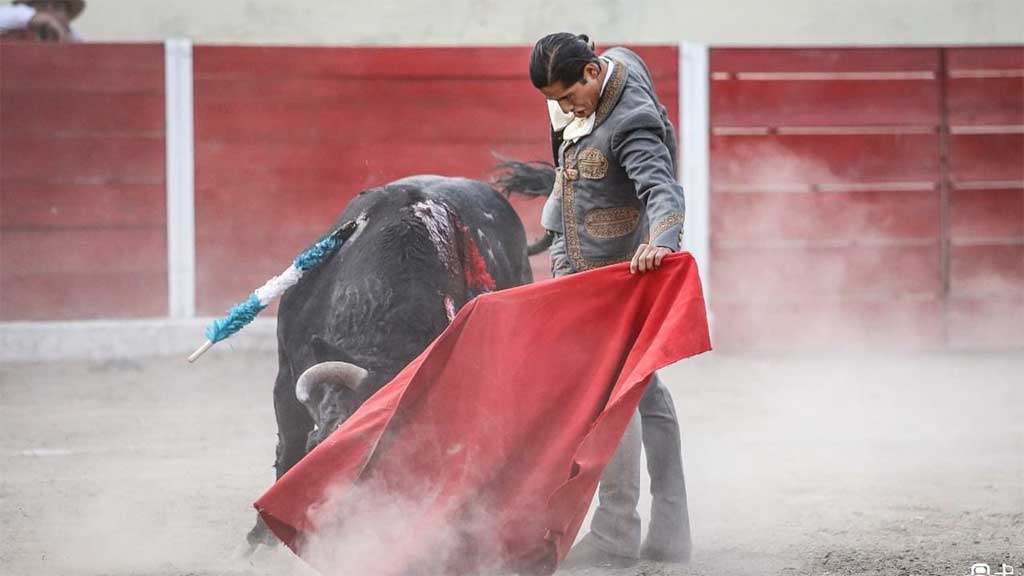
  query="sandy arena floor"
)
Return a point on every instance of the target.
[{"x": 859, "y": 465}]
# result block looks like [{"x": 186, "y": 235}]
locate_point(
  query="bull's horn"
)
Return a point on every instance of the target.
[{"x": 334, "y": 372}]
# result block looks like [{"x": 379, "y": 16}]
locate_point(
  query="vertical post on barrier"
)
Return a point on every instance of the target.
[
  {"x": 180, "y": 176},
  {"x": 694, "y": 112}
]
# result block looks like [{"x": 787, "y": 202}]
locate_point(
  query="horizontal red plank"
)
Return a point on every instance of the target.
[
  {"x": 441, "y": 112},
  {"x": 851, "y": 216},
  {"x": 811, "y": 159},
  {"x": 889, "y": 324},
  {"x": 753, "y": 272},
  {"x": 987, "y": 271},
  {"x": 367, "y": 62},
  {"x": 44, "y": 205},
  {"x": 987, "y": 213},
  {"x": 344, "y": 168},
  {"x": 223, "y": 223},
  {"x": 84, "y": 251},
  {"x": 410, "y": 112},
  {"x": 28, "y": 57},
  {"x": 86, "y": 158},
  {"x": 983, "y": 157},
  {"x": 986, "y": 101},
  {"x": 301, "y": 209},
  {"x": 85, "y": 81},
  {"x": 831, "y": 103},
  {"x": 95, "y": 295},
  {"x": 222, "y": 229},
  {"x": 383, "y": 92},
  {"x": 384, "y": 95},
  {"x": 62, "y": 68},
  {"x": 362, "y": 62},
  {"x": 985, "y": 58},
  {"x": 991, "y": 323},
  {"x": 75, "y": 113},
  {"x": 823, "y": 59}
]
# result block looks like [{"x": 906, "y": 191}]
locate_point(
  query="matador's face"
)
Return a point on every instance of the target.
[{"x": 581, "y": 98}]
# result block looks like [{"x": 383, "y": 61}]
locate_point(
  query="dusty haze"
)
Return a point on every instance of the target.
[{"x": 825, "y": 464}]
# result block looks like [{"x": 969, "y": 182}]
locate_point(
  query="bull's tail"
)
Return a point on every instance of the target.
[
  {"x": 528, "y": 179},
  {"x": 540, "y": 244}
]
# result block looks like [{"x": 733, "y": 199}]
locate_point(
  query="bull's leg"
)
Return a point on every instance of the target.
[{"x": 293, "y": 426}]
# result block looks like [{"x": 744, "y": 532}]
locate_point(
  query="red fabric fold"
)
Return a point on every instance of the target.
[{"x": 486, "y": 450}]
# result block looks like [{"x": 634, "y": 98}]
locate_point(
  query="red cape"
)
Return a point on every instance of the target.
[{"x": 486, "y": 450}]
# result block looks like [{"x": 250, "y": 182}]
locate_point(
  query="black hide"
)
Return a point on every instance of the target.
[{"x": 380, "y": 300}]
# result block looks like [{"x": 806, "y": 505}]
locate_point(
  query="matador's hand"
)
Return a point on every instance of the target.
[{"x": 648, "y": 257}]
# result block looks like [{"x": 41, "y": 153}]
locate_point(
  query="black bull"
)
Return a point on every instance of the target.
[{"x": 417, "y": 250}]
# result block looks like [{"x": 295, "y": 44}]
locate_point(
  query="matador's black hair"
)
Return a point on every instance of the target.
[{"x": 560, "y": 57}]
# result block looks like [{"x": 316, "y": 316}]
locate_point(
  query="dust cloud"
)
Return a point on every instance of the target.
[
  {"x": 826, "y": 463},
  {"x": 365, "y": 529}
]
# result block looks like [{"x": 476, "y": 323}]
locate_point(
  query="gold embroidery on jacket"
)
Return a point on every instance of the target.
[
  {"x": 593, "y": 164},
  {"x": 666, "y": 223},
  {"x": 611, "y": 94},
  {"x": 573, "y": 246},
  {"x": 611, "y": 222},
  {"x": 572, "y": 234}
]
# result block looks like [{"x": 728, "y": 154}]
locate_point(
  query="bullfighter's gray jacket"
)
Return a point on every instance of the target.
[{"x": 616, "y": 188}]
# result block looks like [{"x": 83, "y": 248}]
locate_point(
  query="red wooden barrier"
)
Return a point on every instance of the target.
[
  {"x": 862, "y": 195},
  {"x": 859, "y": 196},
  {"x": 286, "y": 136},
  {"x": 985, "y": 89},
  {"x": 82, "y": 195}
]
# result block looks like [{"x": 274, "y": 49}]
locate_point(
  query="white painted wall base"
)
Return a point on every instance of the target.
[{"x": 116, "y": 339}]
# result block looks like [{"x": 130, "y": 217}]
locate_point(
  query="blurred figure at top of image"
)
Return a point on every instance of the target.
[{"x": 40, "y": 20}]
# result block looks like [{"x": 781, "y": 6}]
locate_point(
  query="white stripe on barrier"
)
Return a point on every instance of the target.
[
  {"x": 180, "y": 175},
  {"x": 694, "y": 111}
]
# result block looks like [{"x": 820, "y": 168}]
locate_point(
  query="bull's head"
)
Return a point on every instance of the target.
[{"x": 331, "y": 392}]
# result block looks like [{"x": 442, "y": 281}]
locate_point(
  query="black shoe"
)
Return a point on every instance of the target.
[{"x": 588, "y": 555}]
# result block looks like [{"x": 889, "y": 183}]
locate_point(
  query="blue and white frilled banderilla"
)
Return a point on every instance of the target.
[{"x": 243, "y": 313}]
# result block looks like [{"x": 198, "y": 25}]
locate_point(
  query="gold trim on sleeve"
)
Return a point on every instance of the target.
[{"x": 666, "y": 223}]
